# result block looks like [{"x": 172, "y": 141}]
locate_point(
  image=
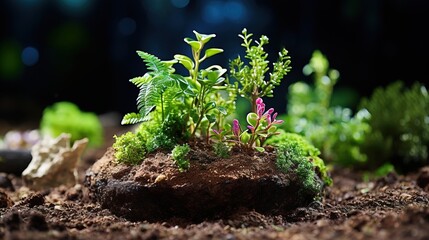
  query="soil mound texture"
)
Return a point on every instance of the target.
[{"x": 211, "y": 188}]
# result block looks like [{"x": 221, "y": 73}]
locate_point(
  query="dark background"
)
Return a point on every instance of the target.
[{"x": 83, "y": 51}]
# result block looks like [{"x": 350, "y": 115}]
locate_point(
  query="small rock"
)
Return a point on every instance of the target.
[{"x": 54, "y": 162}]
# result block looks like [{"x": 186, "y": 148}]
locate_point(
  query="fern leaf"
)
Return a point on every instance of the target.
[
  {"x": 153, "y": 85},
  {"x": 153, "y": 63},
  {"x": 132, "y": 118}
]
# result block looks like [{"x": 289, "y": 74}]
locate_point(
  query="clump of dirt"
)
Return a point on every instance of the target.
[{"x": 211, "y": 188}]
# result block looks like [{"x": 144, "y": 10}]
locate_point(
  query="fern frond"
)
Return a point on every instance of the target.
[
  {"x": 133, "y": 118},
  {"x": 138, "y": 81},
  {"x": 153, "y": 63},
  {"x": 147, "y": 98}
]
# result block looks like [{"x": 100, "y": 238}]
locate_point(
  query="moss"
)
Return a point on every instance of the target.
[
  {"x": 179, "y": 154},
  {"x": 129, "y": 148},
  {"x": 295, "y": 153}
]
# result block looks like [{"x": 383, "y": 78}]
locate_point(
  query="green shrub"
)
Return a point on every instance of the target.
[
  {"x": 400, "y": 126},
  {"x": 66, "y": 117},
  {"x": 332, "y": 129}
]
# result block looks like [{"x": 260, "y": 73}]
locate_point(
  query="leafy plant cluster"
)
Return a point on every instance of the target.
[
  {"x": 389, "y": 132},
  {"x": 332, "y": 129},
  {"x": 205, "y": 98},
  {"x": 66, "y": 117},
  {"x": 176, "y": 111},
  {"x": 399, "y": 126}
]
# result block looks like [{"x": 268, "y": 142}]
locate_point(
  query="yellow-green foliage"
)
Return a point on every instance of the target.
[
  {"x": 129, "y": 148},
  {"x": 148, "y": 137},
  {"x": 295, "y": 153},
  {"x": 66, "y": 117},
  {"x": 179, "y": 154}
]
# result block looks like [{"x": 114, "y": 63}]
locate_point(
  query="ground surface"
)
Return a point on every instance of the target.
[{"x": 393, "y": 207}]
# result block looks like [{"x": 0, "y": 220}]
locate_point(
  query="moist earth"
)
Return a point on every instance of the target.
[{"x": 211, "y": 188}]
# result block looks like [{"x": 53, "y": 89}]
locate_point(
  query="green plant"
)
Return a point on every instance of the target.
[
  {"x": 250, "y": 78},
  {"x": 129, "y": 148},
  {"x": 221, "y": 149},
  {"x": 261, "y": 125},
  {"x": 291, "y": 158},
  {"x": 196, "y": 98},
  {"x": 176, "y": 111},
  {"x": 179, "y": 154},
  {"x": 292, "y": 150},
  {"x": 400, "y": 126},
  {"x": 66, "y": 117},
  {"x": 332, "y": 129}
]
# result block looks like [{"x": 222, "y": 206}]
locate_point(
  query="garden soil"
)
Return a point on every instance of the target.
[{"x": 392, "y": 207}]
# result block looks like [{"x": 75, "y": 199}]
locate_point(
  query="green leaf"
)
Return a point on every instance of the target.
[
  {"x": 222, "y": 110},
  {"x": 132, "y": 118},
  {"x": 272, "y": 129},
  {"x": 204, "y": 38},
  {"x": 245, "y": 137},
  {"x": 212, "y": 51},
  {"x": 219, "y": 87},
  {"x": 210, "y": 105},
  {"x": 196, "y": 46},
  {"x": 252, "y": 118},
  {"x": 194, "y": 115},
  {"x": 214, "y": 75},
  {"x": 139, "y": 81},
  {"x": 211, "y": 118},
  {"x": 260, "y": 149},
  {"x": 185, "y": 61}
]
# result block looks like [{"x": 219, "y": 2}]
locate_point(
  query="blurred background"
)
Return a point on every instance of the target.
[{"x": 84, "y": 51}]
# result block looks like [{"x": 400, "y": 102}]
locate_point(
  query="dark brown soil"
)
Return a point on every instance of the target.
[
  {"x": 211, "y": 188},
  {"x": 392, "y": 207}
]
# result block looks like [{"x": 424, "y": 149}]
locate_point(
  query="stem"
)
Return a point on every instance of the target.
[
  {"x": 254, "y": 96},
  {"x": 162, "y": 107}
]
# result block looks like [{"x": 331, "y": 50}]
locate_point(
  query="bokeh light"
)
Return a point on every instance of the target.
[
  {"x": 30, "y": 56},
  {"x": 180, "y": 3},
  {"x": 10, "y": 62}
]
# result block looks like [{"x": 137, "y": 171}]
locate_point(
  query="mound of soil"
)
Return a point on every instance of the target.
[{"x": 211, "y": 188}]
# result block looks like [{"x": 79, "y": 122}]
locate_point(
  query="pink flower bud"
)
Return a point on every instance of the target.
[
  {"x": 260, "y": 108},
  {"x": 252, "y": 128},
  {"x": 274, "y": 116},
  {"x": 236, "y": 127}
]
